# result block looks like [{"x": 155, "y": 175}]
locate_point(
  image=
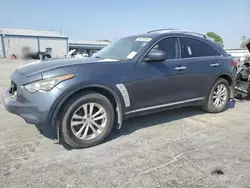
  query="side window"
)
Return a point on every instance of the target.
[
  {"x": 170, "y": 46},
  {"x": 196, "y": 48}
]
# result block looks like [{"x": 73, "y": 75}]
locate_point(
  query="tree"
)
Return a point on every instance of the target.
[
  {"x": 216, "y": 37},
  {"x": 243, "y": 38},
  {"x": 244, "y": 41}
]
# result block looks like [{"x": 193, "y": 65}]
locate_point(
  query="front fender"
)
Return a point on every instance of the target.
[{"x": 69, "y": 92}]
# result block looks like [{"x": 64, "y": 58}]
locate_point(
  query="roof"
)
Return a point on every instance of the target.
[
  {"x": 24, "y": 32},
  {"x": 161, "y": 31},
  {"x": 91, "y": 42},
  {"x": 156, "y": 33}
]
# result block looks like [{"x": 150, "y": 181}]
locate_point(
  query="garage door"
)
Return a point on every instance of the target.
[{"x": 15, "y": 45}]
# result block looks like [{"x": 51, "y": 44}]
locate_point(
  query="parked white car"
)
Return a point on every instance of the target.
[{"x": 78, "y": 54}]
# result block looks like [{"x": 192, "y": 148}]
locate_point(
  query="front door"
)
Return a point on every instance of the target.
[{"x": 157, "y": 83}]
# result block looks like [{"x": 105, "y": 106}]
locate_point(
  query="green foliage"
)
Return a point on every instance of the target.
[{"x": 216, "y": 37}]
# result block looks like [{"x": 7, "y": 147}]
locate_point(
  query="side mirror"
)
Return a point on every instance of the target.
[{"x": 156, "y": 55}]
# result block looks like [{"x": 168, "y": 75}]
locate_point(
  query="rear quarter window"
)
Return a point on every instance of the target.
[{"x": 195, "y": 48}]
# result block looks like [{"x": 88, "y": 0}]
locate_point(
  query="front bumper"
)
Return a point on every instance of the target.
[
  {"x": 34, "y": 108},
  {"x": 26, "y": 111}
]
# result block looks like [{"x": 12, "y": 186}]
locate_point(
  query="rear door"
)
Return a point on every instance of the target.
[
  {"x": 158, "y": 83},
  {"x": 203, "y": 62}
]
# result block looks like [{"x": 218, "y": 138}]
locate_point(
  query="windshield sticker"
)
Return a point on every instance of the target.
[
  {"x": 131, "y": 55},
  {"x": 143, "y": 39}
]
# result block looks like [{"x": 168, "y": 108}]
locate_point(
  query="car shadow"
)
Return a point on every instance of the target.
[
  {"x": 131, "y": 125},
  {"x": 141, "y": 122},
  {"x": 136, "y": 123}
]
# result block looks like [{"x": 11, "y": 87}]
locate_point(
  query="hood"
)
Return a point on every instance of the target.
[
  {"x": 41, "y": 66},
  {"x": 248, "y": 46}
]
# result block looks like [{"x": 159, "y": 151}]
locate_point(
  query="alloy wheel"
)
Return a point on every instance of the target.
[
  {"x": 220, "y": 96},
  {"x": 88, "y": 121}
]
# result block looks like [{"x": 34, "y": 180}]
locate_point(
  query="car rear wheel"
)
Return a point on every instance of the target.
[
  {"x": 87, "y": 120},
  {"x": 218, "y": 97}
]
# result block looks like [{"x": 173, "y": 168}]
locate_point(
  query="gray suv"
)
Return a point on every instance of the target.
[{"x": 82, "y": 99}]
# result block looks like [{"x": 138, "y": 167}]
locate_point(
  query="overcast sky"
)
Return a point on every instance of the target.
[{"x": 109, "y": 19}]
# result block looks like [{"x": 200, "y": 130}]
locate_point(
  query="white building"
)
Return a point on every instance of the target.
[
  {"x": 88, "y": 47},
  {"x": 14, "y": 41},
  {"x": 239, "y": 53}
]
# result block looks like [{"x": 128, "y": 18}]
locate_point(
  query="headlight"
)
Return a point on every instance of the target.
[{"x": 47, "y": 84}]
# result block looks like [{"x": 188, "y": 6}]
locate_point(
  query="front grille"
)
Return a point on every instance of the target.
[{"x": 13, "y": 89}]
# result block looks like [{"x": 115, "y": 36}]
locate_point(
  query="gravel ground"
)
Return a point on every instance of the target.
[{"x": 178, "y": 148}]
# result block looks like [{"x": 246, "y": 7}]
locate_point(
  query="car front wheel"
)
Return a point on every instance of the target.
[
  {"x": 87, "y": 120},
  {"x": 218, "y": 97}
]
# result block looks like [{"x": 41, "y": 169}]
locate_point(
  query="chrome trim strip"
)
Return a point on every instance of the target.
[
  {"x": 124, "y": 93},
  {"x": 165, "y": 105}
]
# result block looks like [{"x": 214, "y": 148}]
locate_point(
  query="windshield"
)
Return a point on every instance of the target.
[{"x": 123, "y": 49}]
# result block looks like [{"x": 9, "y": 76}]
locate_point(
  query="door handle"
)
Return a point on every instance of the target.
[
  {"x": 180, "y": 68},
  {"x": 214, "y": 64}
]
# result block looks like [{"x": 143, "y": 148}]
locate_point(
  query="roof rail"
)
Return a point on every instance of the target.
[
  {"x": 160, "y": 30},
  {"x": 177, "y": 31}
]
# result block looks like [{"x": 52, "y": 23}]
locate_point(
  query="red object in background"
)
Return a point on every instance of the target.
[
  {"x": 234, "y": 63},
  {"x": 13, "y": 56}
]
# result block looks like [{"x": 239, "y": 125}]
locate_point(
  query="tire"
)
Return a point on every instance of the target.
[
  {"x": 75, "y": 106},
  {"x": 209, "y": 105}
]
